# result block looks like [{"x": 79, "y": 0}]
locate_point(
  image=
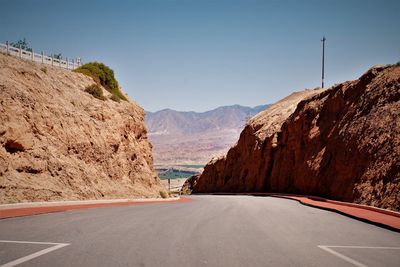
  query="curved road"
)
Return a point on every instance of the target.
[{"x": 207, "y": 231}]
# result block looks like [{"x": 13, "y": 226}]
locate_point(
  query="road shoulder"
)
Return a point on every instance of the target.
[{"x": 35, "y": 208}]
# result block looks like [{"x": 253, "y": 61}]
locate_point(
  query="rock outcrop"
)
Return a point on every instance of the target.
[
  {"x": 58, "y": 142},
  {"x": 189, "y": 184},
  {"x": 342, "y": 143}
]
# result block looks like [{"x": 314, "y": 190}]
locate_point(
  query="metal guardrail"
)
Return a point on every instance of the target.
[{"x": 40, "y": 58}]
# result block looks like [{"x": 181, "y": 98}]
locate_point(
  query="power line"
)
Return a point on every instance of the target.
[{"x": 323, "y": 60}]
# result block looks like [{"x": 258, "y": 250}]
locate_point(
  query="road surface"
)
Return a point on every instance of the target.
[{"x": 208, "y": 231}]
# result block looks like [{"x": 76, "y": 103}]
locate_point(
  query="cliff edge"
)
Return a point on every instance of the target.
[
  {"x": 342, "y": 143},
  {"x": 58, "y": 142}
]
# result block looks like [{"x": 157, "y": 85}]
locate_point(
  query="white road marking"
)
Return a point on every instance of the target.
[
  {"x": 348, "y": 259},
  {"x": 33, "y": 255}
]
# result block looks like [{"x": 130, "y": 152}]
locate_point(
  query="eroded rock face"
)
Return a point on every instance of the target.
[
  {"x": 58, "y": 142},
  {"x": 189, "y": 184},
  {"x": 342, "y": 143}
]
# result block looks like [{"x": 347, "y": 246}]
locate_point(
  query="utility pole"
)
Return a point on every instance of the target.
[{"x": 323, "y": 60}]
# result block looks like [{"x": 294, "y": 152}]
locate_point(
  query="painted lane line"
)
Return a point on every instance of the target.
[
  {"x": 33, "y": 255},
  {"x": 30, "y": 242},
  {"x": 343, "y": 257},
  {"x": 362, "y": 247},
  {"x": 348, "y": 259}
]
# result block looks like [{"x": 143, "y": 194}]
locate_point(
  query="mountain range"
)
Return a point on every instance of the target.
[{"x": 188, "y": 137}]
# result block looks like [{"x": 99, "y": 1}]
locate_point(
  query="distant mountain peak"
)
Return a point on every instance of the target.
[
  {"x": 234, "y": 106},
  {"x": 196, "y": 136}
]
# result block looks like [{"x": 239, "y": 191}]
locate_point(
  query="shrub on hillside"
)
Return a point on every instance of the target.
[
  {"x": 95, "y": 91},
  {"x": 115, "y": 98},
  {"x": 163, "y": 194},
  {"x": 103, "y": 76}
]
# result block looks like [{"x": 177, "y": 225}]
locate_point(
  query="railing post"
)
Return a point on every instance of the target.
[
  {"x": 66, "y": 59},
  {"x": 42, "y": 57},
  {"x": 8, "y": 47},
  {"x": 73, "y": 63},
  {"x": 59, "y": 62},
  {"x": 52, "y": 60},
  {"x": 20, "y": 52},
  {"x": 33, "y": 55}
]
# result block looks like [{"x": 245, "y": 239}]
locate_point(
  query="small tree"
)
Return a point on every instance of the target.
[
  {"x": 23, "y": 44},
  {"x": 57, "y": 56}
]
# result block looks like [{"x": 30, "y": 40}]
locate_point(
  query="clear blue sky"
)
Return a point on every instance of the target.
[{"x": 199, "y": 54}]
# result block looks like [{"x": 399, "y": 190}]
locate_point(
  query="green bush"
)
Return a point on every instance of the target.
[
  {"x": 103, "y": 76},
  {"x": 397, "y": 64},
  {"x": 95, "y": 91},
  {"x": 23, "y": 44},
  {"x": 163, "y": 194},
  {"x": 115, "y": 98}
]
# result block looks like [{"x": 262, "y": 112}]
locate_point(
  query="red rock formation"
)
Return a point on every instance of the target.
[
  {"x": 189, "y": 184},
  {"x": 343, "y": 144}
]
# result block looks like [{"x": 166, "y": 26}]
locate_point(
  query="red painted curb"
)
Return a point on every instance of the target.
[
  {"x": 384, "y": 218},
  {"x": 371, "y": 208},
  {"x": 387, "y": 219},
  {"x": 348, "y": 204},
  {"x": 18, "y": 212}
]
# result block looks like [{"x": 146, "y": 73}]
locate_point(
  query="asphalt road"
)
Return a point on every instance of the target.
[{"x": 208, "y": 231}]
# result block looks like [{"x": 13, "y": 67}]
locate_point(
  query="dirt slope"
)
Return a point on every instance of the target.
[
  {"x": 343, "y": 143},
  {"x": 59, "y": 142}
]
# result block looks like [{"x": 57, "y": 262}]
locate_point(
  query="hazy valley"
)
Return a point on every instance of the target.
[{"x": 187, "y": 138}]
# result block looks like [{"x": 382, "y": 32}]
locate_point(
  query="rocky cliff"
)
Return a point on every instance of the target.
[
  {"x": 59, "y": 142},
  {"x": 342, "y": 143}
]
